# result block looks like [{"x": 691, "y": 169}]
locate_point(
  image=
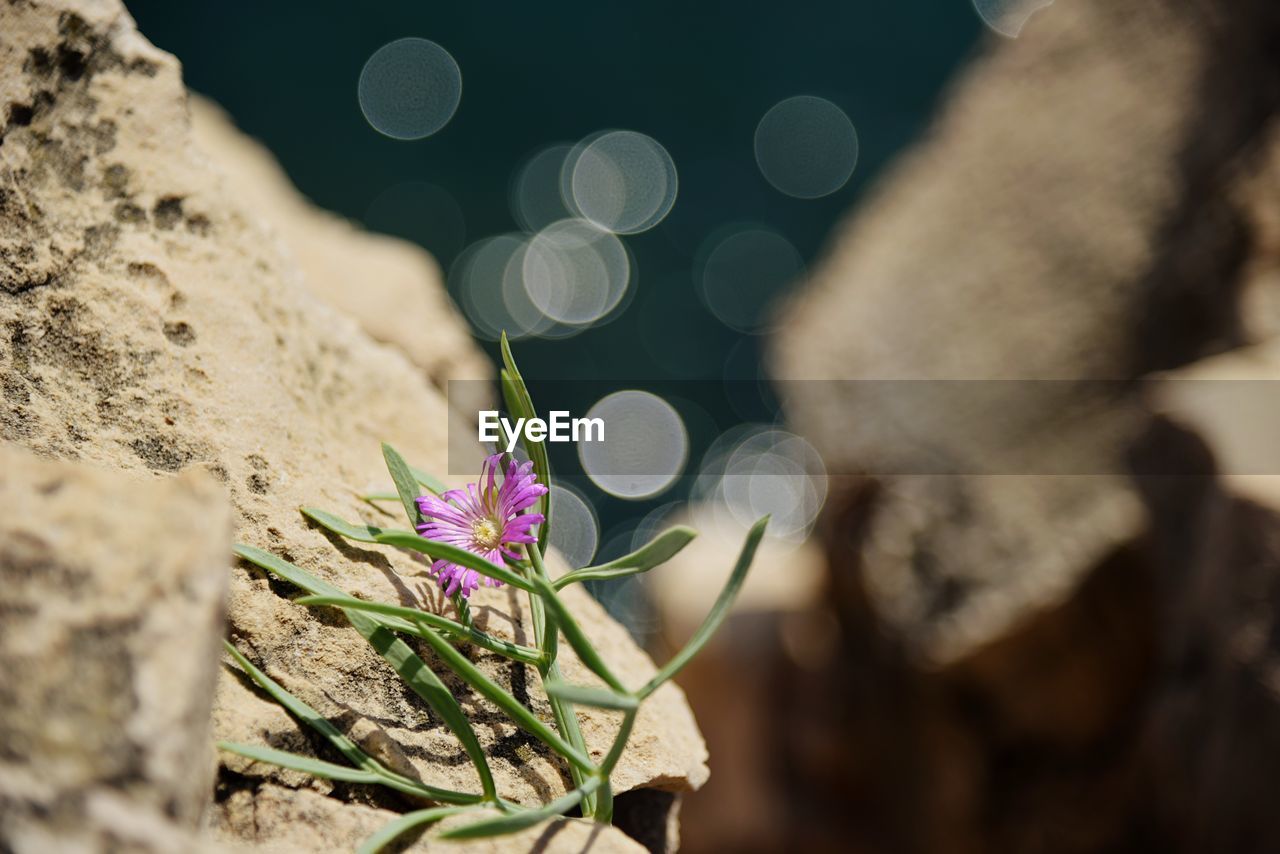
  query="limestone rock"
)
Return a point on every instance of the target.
[
  {"x": 392, "y": 287},
  {"x": 287, "y": 821},
  {"x": 112, "y": 595},
  {"x": 1095, "y": 203},
  {"x": 152, "y": 324}
]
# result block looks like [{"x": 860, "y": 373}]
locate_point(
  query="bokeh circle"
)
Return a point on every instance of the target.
[
  {"x": 622, "y": 181},
  {"x": 806, "y": 147},
  {"x": 645, "y": 445},
  {"x": 409, "y": 88}
]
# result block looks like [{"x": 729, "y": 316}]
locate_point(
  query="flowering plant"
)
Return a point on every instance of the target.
[
  {"x": 484, "y": 519},
  {"x": 476, "y": 536}
]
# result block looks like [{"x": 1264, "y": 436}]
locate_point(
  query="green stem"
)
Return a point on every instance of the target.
[
  {"x": 390, "y": 832},
  {"x": 546, "y": 633},
  {"x": 527, "y": 818},
  {"x": 605, "y": 813},
  {"x": 396, "y": 652},
  {"x": 489, "y": 689},
  {"x": 572, "y": 631},
  {"x": 619, "y": 742},
  {"x": 347, "y": 747},
  {"x": 413, "y": 616},
  {"x": 656, "y": 552},
  {"x": 715, "y": 617}
]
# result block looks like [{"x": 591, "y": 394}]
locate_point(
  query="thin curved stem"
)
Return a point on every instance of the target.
[{"x": 546, "y": 632}]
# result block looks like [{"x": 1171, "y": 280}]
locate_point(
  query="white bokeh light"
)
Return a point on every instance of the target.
[
  {"x": 1008, "y": 17},
  {"x": 621, "y": 180},
  {"x": 740, "y": 269},
  {"x": 753, "y": 471},
  {"x": 575, "y": 530},
  {"x": 806, "y": 147},
  {"x": 409, "y": 88},
  {"x": 655, "y": 522},
  {"x": 645, "y": 445},
  {"x": 536, "y": 201},
  {"x": 575, "y": 273},
  {"x": 481, "y": 280}
]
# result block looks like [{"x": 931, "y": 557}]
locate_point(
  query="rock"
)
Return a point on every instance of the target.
[
  {"x": 1226, "y": 400},
  {"x": 1216, "y": 715},
  {"x": 779, "y": 624},
  {"x": 153, "y": 325},
  {"x": 392, "y": 287},
  {"x": 286, "y": 821},
  {"x": 787, "y": 576},
  {"x": 1027, "y": 159},
  {"x": 1096, "y": 202},
  {"x": 112, "y": 594}
]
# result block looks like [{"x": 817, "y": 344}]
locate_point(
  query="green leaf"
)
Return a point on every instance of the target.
[
  {"x": 547, "y": 634},
  {"x": 560, "y": 616},
  {"x": 499, "y": 696},
  {"x": 359, "y": 532},
  {"x": 414, "y": 542},
  {"x": 619, "y": 744},
  {"x": 519, "y": 821},
  {"x": 433, "y": 484},
  {"x": 428, "y": 686},
  {"x": 427, "y": 481},
  {"x": 567, "y": 725},
  {"x": 317, "y": 767},
  {"x": 481, "y": 639},
  {"x": 519, "y": 401},
  {"x": 406, "y": 483},
  {"x": 587, "y": 695},
  {"x": 656, "y": 552},
  {"x": 577, "y": 638},
  {"x": 718, "y": 612},
  {"x": 463, "y": 608},
  {"x": 345, "y": 745},
  {"x": 308, "y": 582},
  {"x": 302, "y": 711},
  {"x": 453, "y": 554},
  {"x": 294, "y": 575},
  {"x": 392, "y": 830},
  {"x": 375, "y": 630}
]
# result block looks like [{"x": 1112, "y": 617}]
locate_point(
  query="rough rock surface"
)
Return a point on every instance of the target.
[
  {"x": 1043, "y": 662},
  {"x": 297, "y": 821},
  {"x": 111, "y": 605},
  {"x": 151, "y": 324}
]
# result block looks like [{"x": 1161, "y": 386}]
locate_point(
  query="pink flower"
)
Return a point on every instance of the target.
[{"x": 485, "y": 519}]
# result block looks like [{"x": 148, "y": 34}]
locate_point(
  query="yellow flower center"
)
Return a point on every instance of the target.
[{"x": 486, "y": 534}]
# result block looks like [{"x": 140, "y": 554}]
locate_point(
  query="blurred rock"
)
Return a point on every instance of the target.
[
  {"x": 1096, "y": 202},
  {"x": 152, "y": 324},
  {"x": 787, "y": 576},
  {"x": 1043, "y": 233},
  {"x": 1215, "y": 722},
  {"x": 778, "y": 625},
  {"x": 111, "y": 615}
]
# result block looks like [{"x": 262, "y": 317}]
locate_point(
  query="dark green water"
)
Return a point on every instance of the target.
[{"x": 695, "y": 76}]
